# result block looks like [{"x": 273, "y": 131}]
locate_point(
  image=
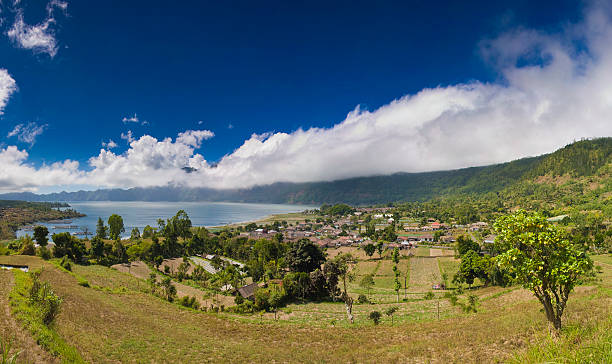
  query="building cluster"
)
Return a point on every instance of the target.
[{"x": 335, "y": 232}]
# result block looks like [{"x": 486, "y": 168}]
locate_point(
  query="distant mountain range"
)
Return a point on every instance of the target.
[{"x": 579, "y": 159}]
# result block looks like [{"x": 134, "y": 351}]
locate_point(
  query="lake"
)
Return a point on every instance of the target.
[{"x": 139, "y": 214}]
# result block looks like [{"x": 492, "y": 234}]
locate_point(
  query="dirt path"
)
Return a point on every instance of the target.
[{"x": 13, "y": 332}]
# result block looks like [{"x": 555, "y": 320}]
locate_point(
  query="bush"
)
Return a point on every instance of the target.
[
  {"x": 245, "y": 307},
  {"x": 65, "y": 263},
  {"x": 44, "y": 253},
  {"x": 361, "y": 299},
  {"x": 43, "y": 297},
  {"x": 190, "y": 302},
  {"x": 27, "y": 248},
  {"x": 375, "y": 317},
  {"x": 429, "y": 296},
  {"x": 83, "y": 282},
  {"x": 238, "y": 299}
]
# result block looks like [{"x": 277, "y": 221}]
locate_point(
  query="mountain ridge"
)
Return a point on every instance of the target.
[{"x": 579, "y": 159}]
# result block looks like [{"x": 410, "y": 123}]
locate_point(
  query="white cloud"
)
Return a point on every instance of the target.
[
  {"x": 134, "y": 119},
  {"x": 194, "y": 138},
  {"x": 553, "y": 89},
  {"x": 131, "y": 119},
  {"x": 110, "y": 144},
  {"x": 127, "y": 136},
  {"x": 17, "y": 175},
  {"x": 40, "y": 37},
  {"x": 7, "y": 87},
  {"x": 149, "y": 162},
  {"x": 27, "y": 133}
]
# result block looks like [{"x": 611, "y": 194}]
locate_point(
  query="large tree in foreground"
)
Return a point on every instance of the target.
[{"x": 543, "y": 259}]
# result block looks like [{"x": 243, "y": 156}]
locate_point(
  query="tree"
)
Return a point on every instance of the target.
[
  {"x": 304, "y": 256},
  {"x": 148, "y": 232},
  {"x": 67, "y": 245},
  {"x": 391, "y": 311},
  {"x": 97, "y": 248},
  {"x": 40, "y": 235},
  {"x": 465, "y": 244},
  {"x": 543, "y": 260},
  {"x": 86, "y": 232},
  {"x": 115, "y": 226},
  {"x": 473, "y": 266},
  {"x": 380, "y": 248},
  {"x": 101, "y": 230},
  {"x": 369, "y": 249},
  {"x": 180, "y": 224},
  {"x": 342, "y": 266},
  {"x": 367, "y": 282},
  {"x": 397, "y": 285},
  {"x": 135, "y": 234},
  {"x": 168, "y": 289},
  {"x": 375, "y": 317}
]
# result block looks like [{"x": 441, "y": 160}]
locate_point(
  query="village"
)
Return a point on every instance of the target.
[{"x": 351, "y": 230}]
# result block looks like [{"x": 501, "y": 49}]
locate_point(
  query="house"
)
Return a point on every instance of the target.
[
  {"x": 248, "y": 291},
  {"x": 426, "y": 237},
  {"x": 478, "y": 226},
  {"x": 448, "y": 239},
  {"x": 489, "y": 239}
]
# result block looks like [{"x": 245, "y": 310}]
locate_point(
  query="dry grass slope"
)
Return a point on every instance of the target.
[{"x": 134, "y": 326}]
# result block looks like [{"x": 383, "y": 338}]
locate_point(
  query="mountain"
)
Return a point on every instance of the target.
[{"x": 579, "y": 160}]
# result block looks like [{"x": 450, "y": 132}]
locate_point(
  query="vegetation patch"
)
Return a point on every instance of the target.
[{"x": 35, "y": 305}]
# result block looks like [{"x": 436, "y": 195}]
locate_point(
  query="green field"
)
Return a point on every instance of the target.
[{"x": 107, "y": 325}]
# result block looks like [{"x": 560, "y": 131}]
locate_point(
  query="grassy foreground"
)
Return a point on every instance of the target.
[{"x": 130, "y": 325}]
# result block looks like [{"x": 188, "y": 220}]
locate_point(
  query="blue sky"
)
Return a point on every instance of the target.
[{"x": 234, "y": 69}]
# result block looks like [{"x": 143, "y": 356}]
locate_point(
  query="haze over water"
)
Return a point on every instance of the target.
[{"x": 139, "y": 214}]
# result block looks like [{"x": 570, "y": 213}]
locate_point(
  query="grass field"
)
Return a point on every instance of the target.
[
  {"x": 109, "y": 326},
  {"x": 424, "y": 272}
]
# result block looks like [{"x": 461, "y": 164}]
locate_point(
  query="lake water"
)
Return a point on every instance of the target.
[{"x": 139, "y": 214}]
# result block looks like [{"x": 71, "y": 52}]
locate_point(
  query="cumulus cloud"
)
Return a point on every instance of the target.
[
  {"x": 40, "y": 37},
  {"x": 127, "y": 136},
  {"x": 553, "y": 89},
  {"x": 16, "y": 175},
  {"x": 27, "y": 133},
  {"x": 7, "y": 87},
  {"x": 150, "y": 162},
  {"x": 110, "y": 144},
  {"x": 194, "y": 138}
]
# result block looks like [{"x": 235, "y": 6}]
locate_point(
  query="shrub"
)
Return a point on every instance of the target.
[
  {"x": 83, "y": 282},
  {"x": 65, "y": 263},
  {"x": 245, "y": 307},
  {"x": 45, "y": 300},
  {"x": 190, "y": 302},
  {"x": 238, "y": 300},
  {"x": 429, "y": 296},
  {"x": 375, "y": 317},
  {"x": 27, "y": 247},
  {"x": 361, "y": 299},
  {"x": 44, "y": 253}
]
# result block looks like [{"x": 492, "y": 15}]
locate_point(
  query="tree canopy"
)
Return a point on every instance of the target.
[
  {"x": 542, "y": 258},
  {"x": 304, "y": 256}
]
